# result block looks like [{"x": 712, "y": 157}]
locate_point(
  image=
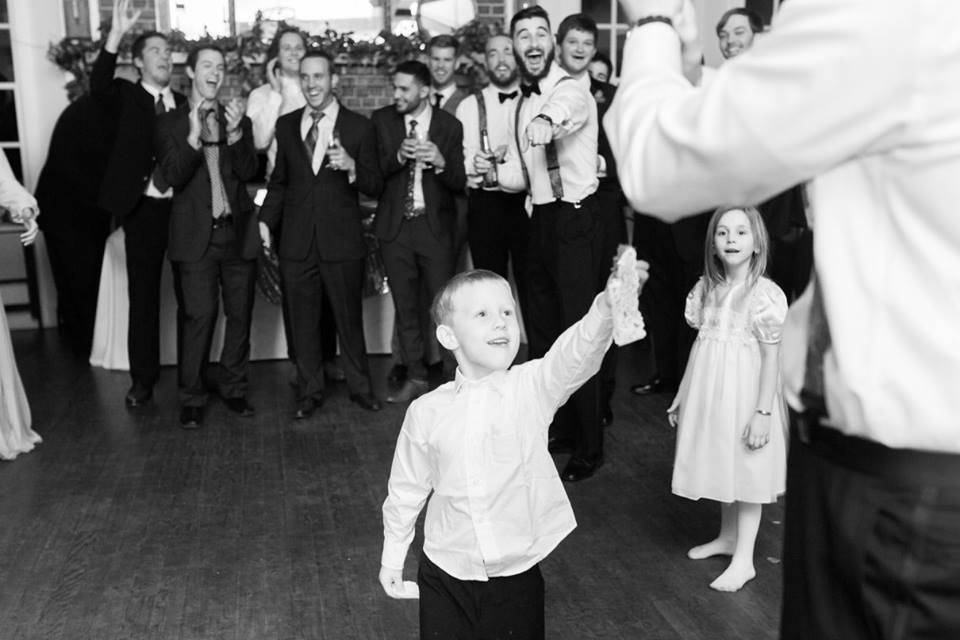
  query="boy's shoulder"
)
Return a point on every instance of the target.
[{"x": 432, "y": 400}]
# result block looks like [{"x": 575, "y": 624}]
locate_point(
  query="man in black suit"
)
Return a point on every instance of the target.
[
  {"x": 416, "y": 215},
  {"x": 74, "y": 226},
  {"x": 326, "y": 155},
  {"x": 133, "y": 190},
  {"x": 206, "y": 152}
]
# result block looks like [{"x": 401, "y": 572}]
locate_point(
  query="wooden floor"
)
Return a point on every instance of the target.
[{"x": 123, "y": 526}]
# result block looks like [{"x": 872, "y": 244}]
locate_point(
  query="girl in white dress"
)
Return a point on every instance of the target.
[
  {"x": 16, "y": 436},
  {"x": 730, "y": 417}
]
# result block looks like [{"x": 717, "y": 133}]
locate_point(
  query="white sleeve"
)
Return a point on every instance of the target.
[
  {"x": 824, "y": 86},
  {"x": 469, "y": 116},
  {"x": 263, "y": 109}
]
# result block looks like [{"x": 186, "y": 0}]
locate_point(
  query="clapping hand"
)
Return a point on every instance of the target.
[
  {"x": 234, "y": 114},
  {"x": 273, "y": 75}
]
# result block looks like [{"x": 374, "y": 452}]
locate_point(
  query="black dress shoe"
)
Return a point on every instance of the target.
[
  {"x": 411, "y": 389},
  {"x": 559, "y": 445},
  {"x": 307, "y": 406},
  {"x": 366, "y": 401},
  {"x": 398, "y": 374},
  {"x": 191, "y": 417},
  {"x": 655, "y": 385},
  {"x": 138, "y": 395},
  {"x": 239, "y": 405},
  {"x": 579, "y": 468}
]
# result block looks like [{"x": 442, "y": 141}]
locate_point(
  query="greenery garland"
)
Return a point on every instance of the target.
[{"x": 245, "y": 52}]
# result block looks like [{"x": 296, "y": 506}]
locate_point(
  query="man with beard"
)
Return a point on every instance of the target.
[
  {"x": 421, "y": 159},
  {"x": 497, "y": 223},
  {"x": 577, "y": 39},
  {"x": 554, "y": 158},
  {"x": 207, "y": 153},
  {"x": 134, "y": 191}
]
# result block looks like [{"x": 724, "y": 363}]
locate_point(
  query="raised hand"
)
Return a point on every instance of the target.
[
  {"x": 196, "y": 126},
  {"x": 234, "y": 112},
  {"x": 123, "y": 18},
  {"x": 273, "y": 76}
]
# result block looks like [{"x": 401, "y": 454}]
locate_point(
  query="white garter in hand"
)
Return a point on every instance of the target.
[{"x": 625, "y": 293}]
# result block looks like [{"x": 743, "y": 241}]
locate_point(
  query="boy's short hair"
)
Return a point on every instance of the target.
[{"x": 442, "y": 305}]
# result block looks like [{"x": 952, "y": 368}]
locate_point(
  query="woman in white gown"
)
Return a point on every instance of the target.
[{"x": 16, "y": 436}]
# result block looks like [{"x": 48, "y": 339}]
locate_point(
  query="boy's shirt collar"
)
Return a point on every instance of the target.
[{"x": 497, "y": 380}]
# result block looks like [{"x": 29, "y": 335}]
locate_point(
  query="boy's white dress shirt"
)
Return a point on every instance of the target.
[{"x": 498, "y": 504}]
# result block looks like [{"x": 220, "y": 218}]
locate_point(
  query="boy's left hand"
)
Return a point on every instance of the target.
[{"x": 757, "y": 433}]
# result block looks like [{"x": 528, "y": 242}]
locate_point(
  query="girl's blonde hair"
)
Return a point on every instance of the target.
[{"x": 713, "y": 266}]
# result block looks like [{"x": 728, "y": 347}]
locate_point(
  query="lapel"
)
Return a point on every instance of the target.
[
  {"x": 298, "y": 142},
  {"x": 144, "y": 100}
]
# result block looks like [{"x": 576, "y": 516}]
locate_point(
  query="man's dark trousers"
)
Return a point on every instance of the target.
[{"x": 562, "y": 269}]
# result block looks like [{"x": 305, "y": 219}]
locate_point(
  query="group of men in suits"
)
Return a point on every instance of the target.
[{"x": 432, "y": 159}]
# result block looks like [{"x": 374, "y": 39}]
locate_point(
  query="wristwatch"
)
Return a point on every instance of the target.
[{"x": 545, "y": 117}]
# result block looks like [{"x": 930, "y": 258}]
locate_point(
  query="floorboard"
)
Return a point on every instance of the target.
[{"x": 121, "y": 525}]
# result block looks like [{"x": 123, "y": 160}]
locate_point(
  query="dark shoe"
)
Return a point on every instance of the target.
[
  {"x": 239, "y": 405},
  {"x": 606, "y": 416},
  {"x": 656, "y": 385},
  {"x": 398, "y": 374},
  {"x": 138, "y": 395},
  {"x": 559, "y": 445},
  {"x": 578, "y": 468},
  {"x": 307, "y": 406},
  {"x": 333, "y": 372},
  {"x": 366, "y": 401},
  {"x": 411, "y": 389},
  {"x": 191, "y": 417}
]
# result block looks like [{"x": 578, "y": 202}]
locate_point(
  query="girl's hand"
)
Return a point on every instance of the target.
[
  {"x": 757, "y": 433},
  {"x": 672, "y": 418}
]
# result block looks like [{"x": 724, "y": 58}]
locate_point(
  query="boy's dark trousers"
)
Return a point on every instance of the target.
[{"x": 452, "y": 609}]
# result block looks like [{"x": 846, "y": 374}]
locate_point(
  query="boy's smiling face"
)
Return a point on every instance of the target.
[{"x": 482, "y": 330}]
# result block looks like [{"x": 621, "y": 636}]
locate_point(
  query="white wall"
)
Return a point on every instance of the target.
[{"x": 34, "y": 24}]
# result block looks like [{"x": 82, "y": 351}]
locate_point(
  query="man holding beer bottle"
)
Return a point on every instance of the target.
[{"x": 497, "y": 224}]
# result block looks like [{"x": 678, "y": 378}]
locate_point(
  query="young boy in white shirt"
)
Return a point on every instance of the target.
[{"x": 479, "y": 444}]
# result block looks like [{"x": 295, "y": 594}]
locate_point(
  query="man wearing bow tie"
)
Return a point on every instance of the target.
[
  {"x": 554, "y": 158},
  {"x": 497, "y": 223},
  {"x": 207, "y": 153}
]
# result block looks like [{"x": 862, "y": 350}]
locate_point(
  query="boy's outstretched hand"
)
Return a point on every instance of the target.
[{"x": 622, "y": 294}]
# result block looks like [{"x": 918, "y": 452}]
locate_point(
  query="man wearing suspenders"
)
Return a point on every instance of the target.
[
  {"x": 554, "y": 158},
  {"x": 497, "y": 222}
]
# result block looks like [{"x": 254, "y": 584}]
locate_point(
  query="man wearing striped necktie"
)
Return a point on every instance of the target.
[{"x": 207, "y": 153}]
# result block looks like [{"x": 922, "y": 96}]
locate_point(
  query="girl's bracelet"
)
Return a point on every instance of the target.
[{"x": 764, "y": 413}]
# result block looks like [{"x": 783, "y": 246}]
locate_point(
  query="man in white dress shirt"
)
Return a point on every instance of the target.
[
  {"x": 497, "y": 222},
  {"x": 554, "y": 158},
  {"x": 871, "y": 354}
]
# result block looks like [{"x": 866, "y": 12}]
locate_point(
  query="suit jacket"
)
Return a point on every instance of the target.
[
  {"x": 438, "y": 188},
  {"x": 68, "y": 189},
  {"x": 322, "y": 207},
  {"x": 450, "y": 106},
  {"x": 133, "y": 156},
  {"x": 186, "y": 169}
]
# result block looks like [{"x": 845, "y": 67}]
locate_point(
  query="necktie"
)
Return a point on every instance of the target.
[
  {"x": 158, "y": 180},
  {"x": 409, "y": 206},
  {"x": 211, "y": 153},
  {"x": 507, "y": 96},
  {"x": 313, "y": 135},
  {"x": 527, "y": 89},
  {"x": 437, "y": 99}
]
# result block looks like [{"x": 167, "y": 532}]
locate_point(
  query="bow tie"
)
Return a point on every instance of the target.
[
  {"x": 527, "y": 89},
  {"x": 507, "y": 96}
]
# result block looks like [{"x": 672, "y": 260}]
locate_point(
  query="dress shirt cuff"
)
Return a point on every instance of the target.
[
  {"x": 351, "y": 176},
  {"x": 599, "y": 318},
  {"x": 655, "y": 47},
  {"x": 556, "y": 112},
  {"x": 394, "y": 555}
]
